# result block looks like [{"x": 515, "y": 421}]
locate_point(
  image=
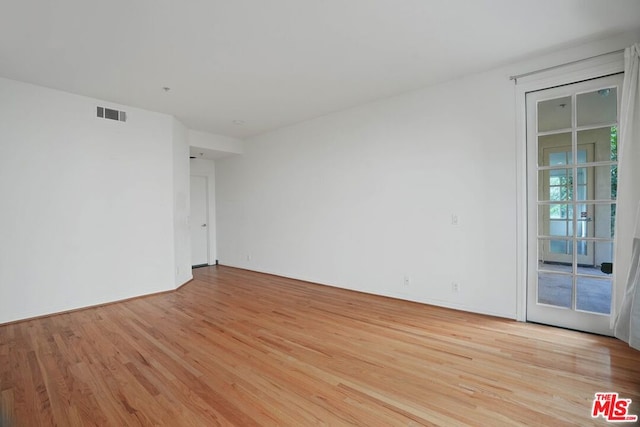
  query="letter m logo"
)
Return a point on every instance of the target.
[{"x": 602, "y": 405}]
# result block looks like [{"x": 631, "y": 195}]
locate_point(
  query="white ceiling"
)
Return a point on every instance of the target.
[{"x": 269, "y": 63}]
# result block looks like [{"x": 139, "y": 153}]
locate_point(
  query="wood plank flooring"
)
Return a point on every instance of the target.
[{"x": 240, "y": 348}]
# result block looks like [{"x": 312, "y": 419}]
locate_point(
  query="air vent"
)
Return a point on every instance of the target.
[{"x": 108, "y": 113}]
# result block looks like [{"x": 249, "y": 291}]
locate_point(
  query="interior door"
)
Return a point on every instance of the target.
[
  {"x": 198, "y": 223},
  {"x": 572, "y": 184}
]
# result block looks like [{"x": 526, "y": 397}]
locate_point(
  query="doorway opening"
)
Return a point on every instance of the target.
[{"x": 199, "y": 221}]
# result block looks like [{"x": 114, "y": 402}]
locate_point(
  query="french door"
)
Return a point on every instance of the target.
[{"x": 572, "y": 183}]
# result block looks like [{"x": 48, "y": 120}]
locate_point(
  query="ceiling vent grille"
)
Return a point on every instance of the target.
[{"x": 108, "y": 113}]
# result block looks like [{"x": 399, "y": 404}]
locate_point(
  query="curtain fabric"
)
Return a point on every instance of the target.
[{"x": 627, "y": 260}]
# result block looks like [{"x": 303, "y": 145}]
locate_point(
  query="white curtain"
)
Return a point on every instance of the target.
[{"x": 627, "y": 260}]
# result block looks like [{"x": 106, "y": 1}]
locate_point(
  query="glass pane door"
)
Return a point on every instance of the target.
[{"x": 572, "y": 181}]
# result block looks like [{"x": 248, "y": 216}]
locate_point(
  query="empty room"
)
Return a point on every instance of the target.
[{"x": 319, "y": 212}]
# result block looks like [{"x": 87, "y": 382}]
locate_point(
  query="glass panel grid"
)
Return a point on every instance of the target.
[{"x": 576, "y": 202}]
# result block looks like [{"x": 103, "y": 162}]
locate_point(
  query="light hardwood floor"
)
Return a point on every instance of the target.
[{"x": 240, "y": 348}]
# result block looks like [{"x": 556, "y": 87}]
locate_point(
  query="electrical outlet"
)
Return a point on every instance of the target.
[
  {"x": 407, "y": 280},
  {"x": 454, "y": 219},
  {"x": 455, "y": 287},
  {"x": 248, "y": 257}
]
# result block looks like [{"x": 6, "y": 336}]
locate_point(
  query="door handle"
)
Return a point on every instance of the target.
[{"x": 203, "y": 225}]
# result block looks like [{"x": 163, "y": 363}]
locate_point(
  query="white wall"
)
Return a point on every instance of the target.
[
  {"x": 87, "y": 203},
  {"x": 213, "y": 146},
  {"x": 364, "y": 197},
  {"x": 361, "y": 198},
  {"x": 181, "y": 206},
  {"x": 206, "y": 168}
]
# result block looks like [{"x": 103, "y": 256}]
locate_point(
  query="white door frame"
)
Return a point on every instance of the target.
[
  {"x": 556, "y": 312},
  {"x": 599, "y": 66}
]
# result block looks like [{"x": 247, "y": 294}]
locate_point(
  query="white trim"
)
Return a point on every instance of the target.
[
  {"x": 575, "y": 72},
  {"x": 554, "y": 67},
  {"x": 572, "y": 73}
]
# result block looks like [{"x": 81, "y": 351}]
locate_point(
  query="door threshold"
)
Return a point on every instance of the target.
[{"x": 568, "y": 329}]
